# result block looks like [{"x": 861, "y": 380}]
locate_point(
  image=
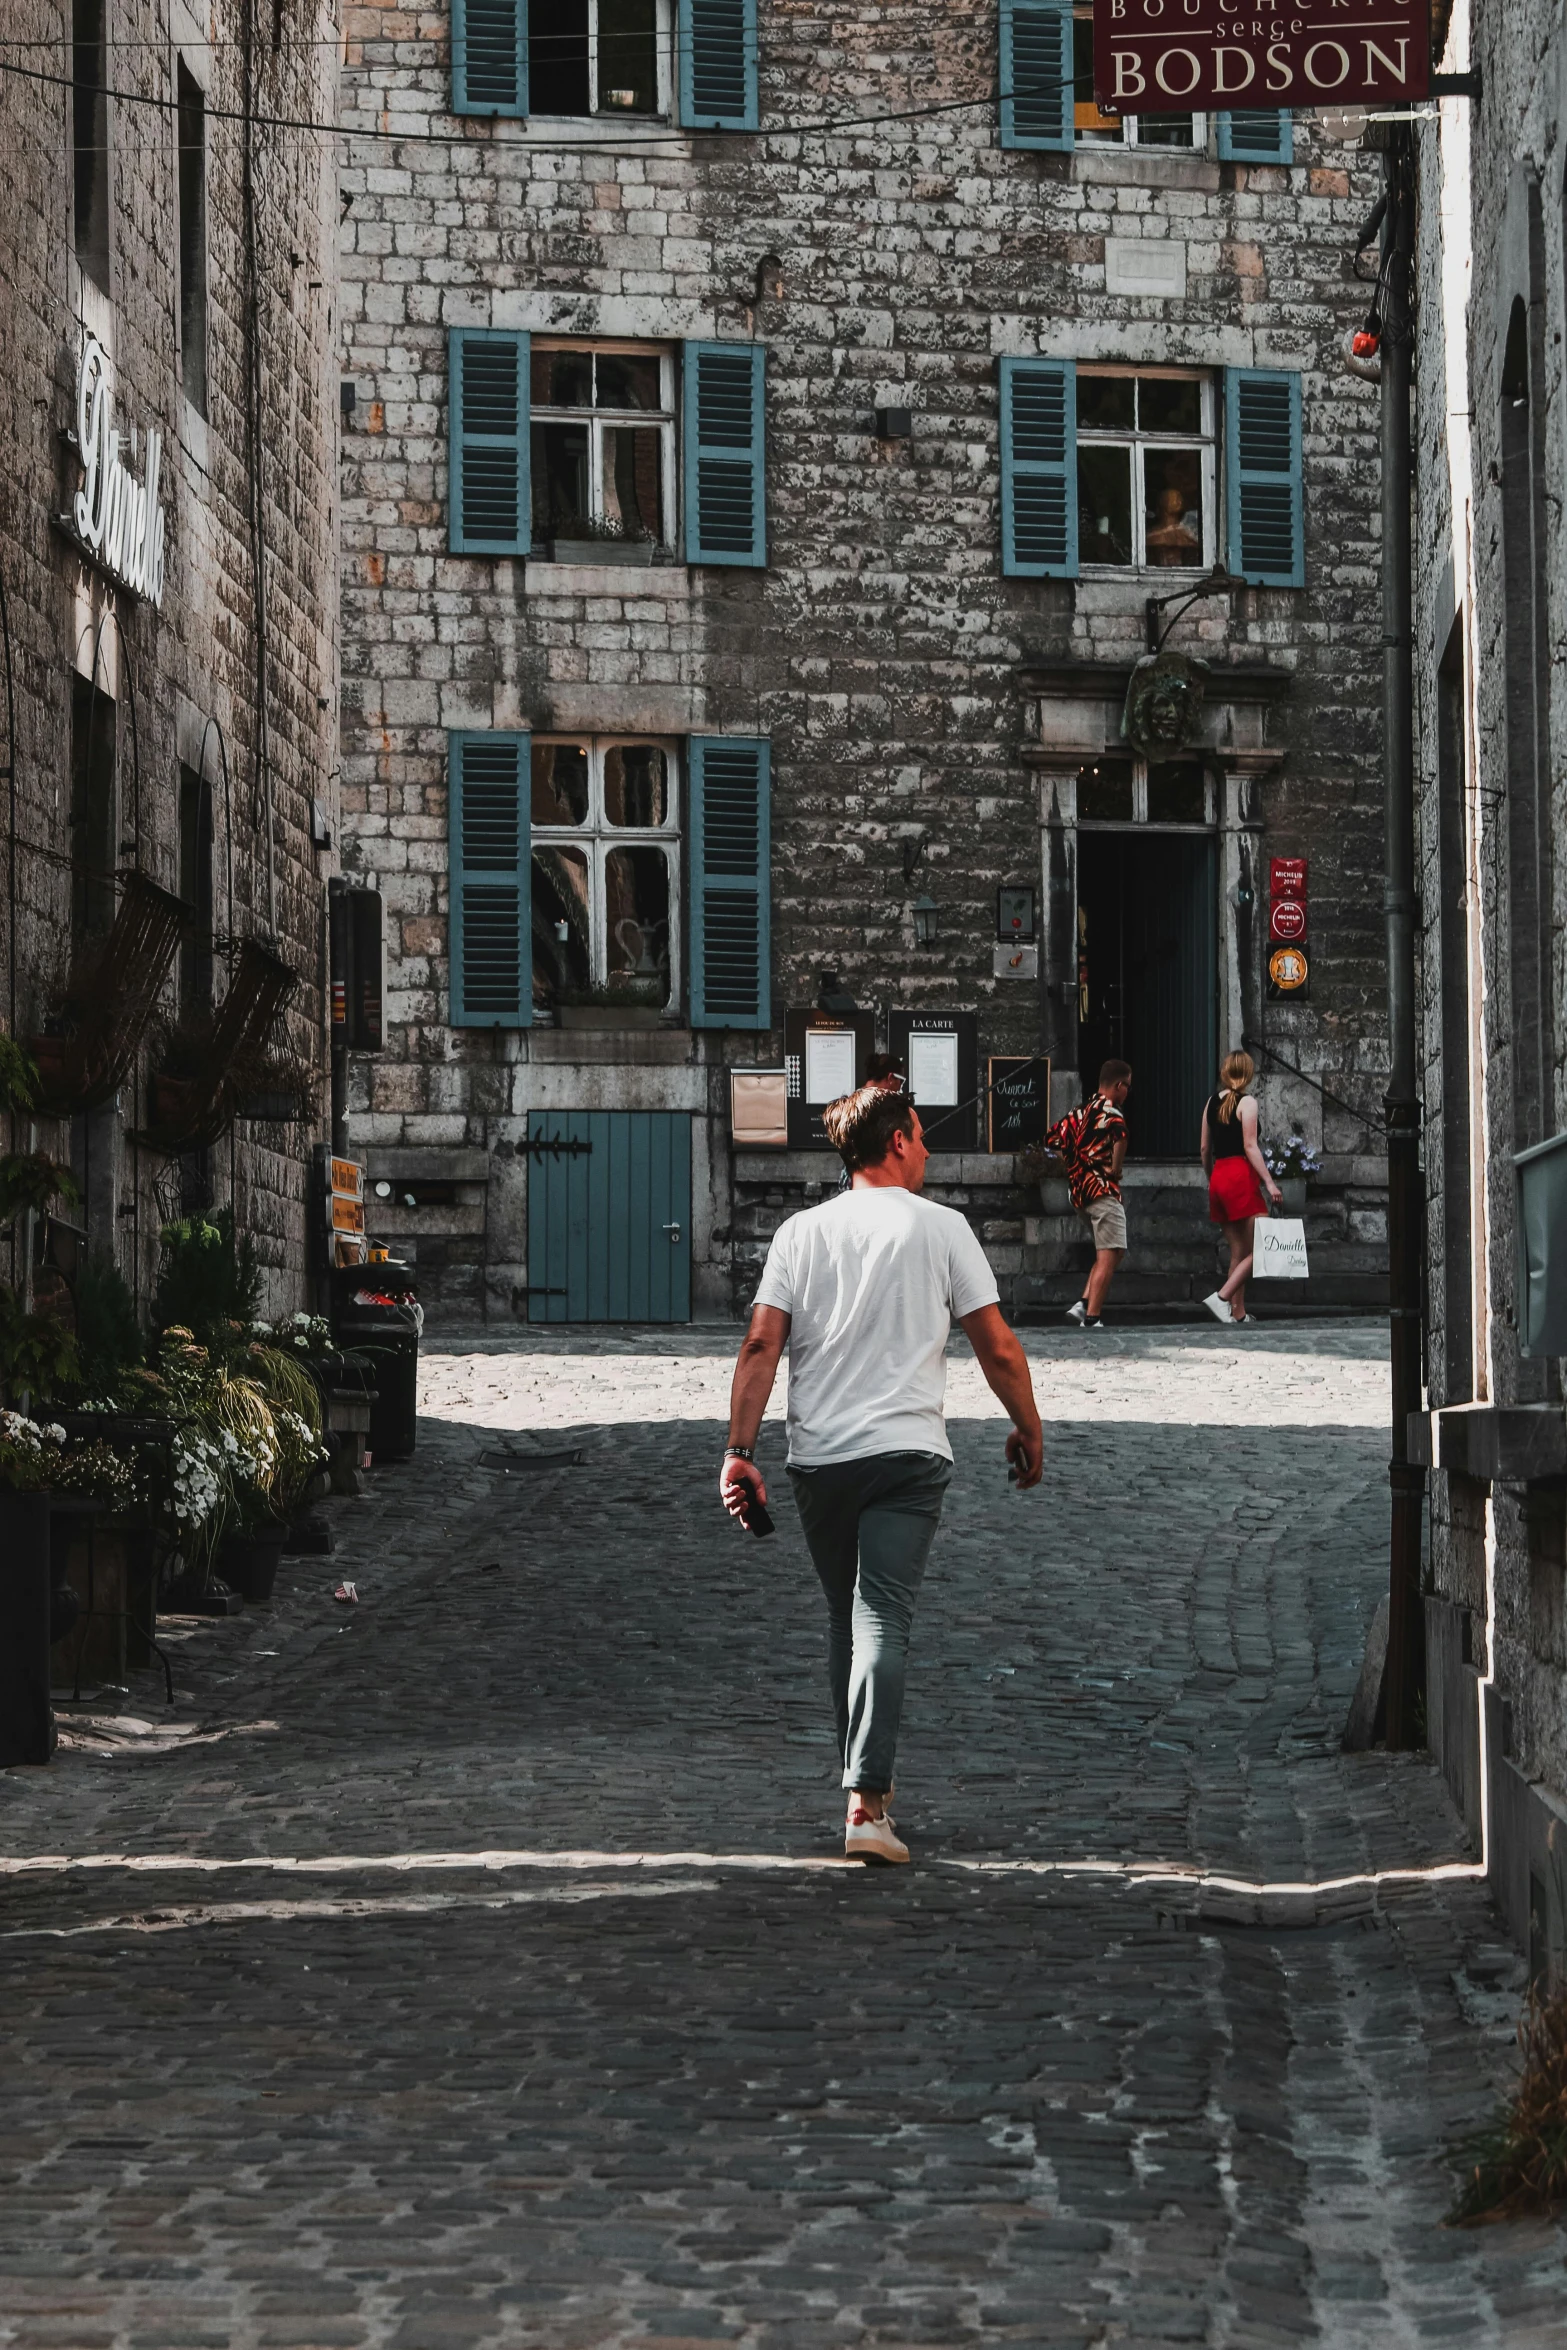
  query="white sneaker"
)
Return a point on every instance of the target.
[
  {"x": 1078, "y": 1313},
  {"x": 871, "y": 1840},
  {"x": 1218, "y": 1307}
]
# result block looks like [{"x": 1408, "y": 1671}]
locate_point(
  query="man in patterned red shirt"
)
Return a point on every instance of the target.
[{"x": 1091, "y": 1144}]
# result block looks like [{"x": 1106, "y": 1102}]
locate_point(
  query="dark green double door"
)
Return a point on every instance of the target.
[
  {"x": 1148, "y": 964},
  {"x": 609, "y": 1216}
]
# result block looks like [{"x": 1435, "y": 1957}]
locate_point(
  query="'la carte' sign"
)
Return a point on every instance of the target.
[
  {"x": 1178, "y": 56},
  {"x": 114, "y": 518}
]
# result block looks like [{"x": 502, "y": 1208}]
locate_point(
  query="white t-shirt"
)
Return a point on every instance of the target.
[{"x": 873, "y": 1281}]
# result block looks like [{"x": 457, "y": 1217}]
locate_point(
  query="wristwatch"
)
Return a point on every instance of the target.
[{"x": 738, "y": 1452}]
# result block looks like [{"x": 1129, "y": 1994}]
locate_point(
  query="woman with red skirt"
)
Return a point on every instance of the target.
[{"x": 1239, "y": 1185}]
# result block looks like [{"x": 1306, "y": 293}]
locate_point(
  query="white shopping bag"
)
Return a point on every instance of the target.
[{"x": 1279, "y": 1249}]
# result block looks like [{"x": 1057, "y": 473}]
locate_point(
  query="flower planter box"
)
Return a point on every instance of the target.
[
  {"x": 639, "y": 552},
  {"x": 1294, "y": 1188},
  {"x": 110, "y": 1565}
]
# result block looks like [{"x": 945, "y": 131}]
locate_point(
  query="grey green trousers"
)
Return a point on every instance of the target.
[{"x": 869, "y": 1525}]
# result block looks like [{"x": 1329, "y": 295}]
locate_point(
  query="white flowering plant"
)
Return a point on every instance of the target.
[
  {"x": 1295, "y": 1159},
  {"x": 35, "y": 1457},
  {"x": 301, "y": 1334}
]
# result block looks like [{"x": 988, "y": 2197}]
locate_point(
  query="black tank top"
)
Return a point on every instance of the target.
[{"x": 1227, "y": 1139}]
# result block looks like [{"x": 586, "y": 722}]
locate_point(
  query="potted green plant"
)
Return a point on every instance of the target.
[
  {"x": 210, "y": 1281},
  {"x": 284, "y": 1441}
]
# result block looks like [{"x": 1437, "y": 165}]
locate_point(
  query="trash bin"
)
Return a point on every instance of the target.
[{"x": 376, "y": 1308}]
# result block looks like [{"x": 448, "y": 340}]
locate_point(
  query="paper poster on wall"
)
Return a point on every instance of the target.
[
  {"x": 933, "y": 1069},
  {"x": 829, "y": 1063}
]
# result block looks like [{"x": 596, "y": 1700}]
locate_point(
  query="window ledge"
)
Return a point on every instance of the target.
[
  {"x": 594, "y": 130},
  {"x": 1177, "y": 577},
  {"x": 638, "y": 580},
  {"x": 1145, "y": 167}
]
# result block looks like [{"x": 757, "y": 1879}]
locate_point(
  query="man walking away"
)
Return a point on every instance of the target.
[
  {"x": 863, "y": 1291},
  {"x": 1091, "y": 1143}
]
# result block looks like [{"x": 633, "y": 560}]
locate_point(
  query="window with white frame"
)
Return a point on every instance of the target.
[
  {"x": 603, "y": 445},
  {"x": 1145, "y": 469},
  {"x": 606, "y": 870},
  {"x": 1188, "y": 132},
  {"x": 608, "y": 57}
]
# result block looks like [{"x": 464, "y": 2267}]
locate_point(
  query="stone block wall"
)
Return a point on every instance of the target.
[
  {"x": 881, "y": 650},
  {"x": 1491, "y": 712},
  {"x": 232, "y": 681}
]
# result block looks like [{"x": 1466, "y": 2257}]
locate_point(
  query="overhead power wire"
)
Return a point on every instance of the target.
[{"x": 827, "y": 126}]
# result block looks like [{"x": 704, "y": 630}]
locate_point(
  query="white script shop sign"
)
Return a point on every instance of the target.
[{"x": 114, "y": 518}]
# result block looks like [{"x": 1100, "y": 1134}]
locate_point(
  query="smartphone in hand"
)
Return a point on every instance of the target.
[{"x": 756, "y": 1518}]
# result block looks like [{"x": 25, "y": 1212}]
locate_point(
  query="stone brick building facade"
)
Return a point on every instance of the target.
[
  {"x": 858, "y": 443},
  {"x": 1491, "y": 599},
  {"x": 168, "y": 242}
]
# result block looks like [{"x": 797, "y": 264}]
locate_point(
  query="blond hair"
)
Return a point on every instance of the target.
[
  {"x": 1236, "y": 1072},
  {"x": 860, "y": 1125}
]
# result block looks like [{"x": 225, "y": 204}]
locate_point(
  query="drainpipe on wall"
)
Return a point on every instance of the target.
[{"x": 1404, "y": 1679}]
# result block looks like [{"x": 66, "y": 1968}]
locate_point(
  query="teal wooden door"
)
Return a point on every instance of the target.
[{"x": 609, "y": 1216}]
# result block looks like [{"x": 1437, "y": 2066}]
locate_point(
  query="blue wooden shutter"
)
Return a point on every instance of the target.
[
  {"x": 718, "y": 77},
  {"x": 1256, "y": 136},
  {"x": 725, "y": 491},
  {"x": 489, "y": 56},
  {"x": 1262, "y": 476},
  {"x": 490, "y": 934},
  {"x": 1039, "y": 468},
  {"x": 488, "y": 509},
  {"x": 730, "y": 882},
  {"x": 1037, "y": 94}
]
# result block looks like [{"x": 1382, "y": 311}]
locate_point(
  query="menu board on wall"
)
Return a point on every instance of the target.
[
  {"x": 825, "y": 1055},
  {"x": 938, "y": 1052},
  {"x": 1017, "y": 1100}
]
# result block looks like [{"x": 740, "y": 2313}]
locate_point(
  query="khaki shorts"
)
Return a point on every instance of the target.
[{"x": 1106, "y": 1220}]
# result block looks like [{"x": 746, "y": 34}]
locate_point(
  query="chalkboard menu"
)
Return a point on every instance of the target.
[{"x": 1017, "y": 1099}]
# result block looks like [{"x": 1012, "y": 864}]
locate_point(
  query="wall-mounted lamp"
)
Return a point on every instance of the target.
[
  {"x": 925, "y": 911},
  {"x": 893, "y": 424}
]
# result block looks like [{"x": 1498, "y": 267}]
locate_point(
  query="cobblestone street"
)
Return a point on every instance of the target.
[{"x": 474, "y": 1966}]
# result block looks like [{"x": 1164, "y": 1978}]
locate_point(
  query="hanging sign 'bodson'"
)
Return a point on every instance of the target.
[
  {"x": 115, "y": 520},
  {"x": 1182, "y": 56}
]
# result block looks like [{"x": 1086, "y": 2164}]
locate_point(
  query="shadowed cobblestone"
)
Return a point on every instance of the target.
[{"x": 667, "y": 2073}]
